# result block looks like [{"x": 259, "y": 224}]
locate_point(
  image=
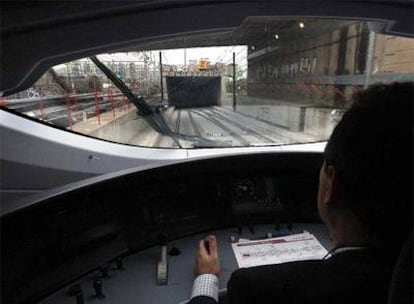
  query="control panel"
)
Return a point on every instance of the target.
[
  {"x": 136, "y": 279},
  {"x": 255, "y": 196}
]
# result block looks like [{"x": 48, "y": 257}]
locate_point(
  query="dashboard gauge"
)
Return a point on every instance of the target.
[{"x": 245, "y": 188}]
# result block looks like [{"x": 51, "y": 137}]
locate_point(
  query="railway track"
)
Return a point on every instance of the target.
[{"x": 221, "y": 125}]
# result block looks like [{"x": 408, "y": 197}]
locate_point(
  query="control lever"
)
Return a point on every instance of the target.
[
  {"x": 119, "y": 264},
  {"x": 251, "y": 228},
  {"x": 104, "y": 271},
  {"x": 97, "y": 286},
  {"x": 162, "y": 267},
  {"x": 79, "y": 299},
  {"x": 174, "y": 251},
  {"x": 76, "y": 291}
]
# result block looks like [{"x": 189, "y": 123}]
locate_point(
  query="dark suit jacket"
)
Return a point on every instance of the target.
[{"x": 360, "y": 276}]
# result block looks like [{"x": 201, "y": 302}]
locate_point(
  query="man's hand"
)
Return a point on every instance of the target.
[{"x": 207, "y": 261}]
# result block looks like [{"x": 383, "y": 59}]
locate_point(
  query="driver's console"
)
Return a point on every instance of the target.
[
  {"x": 133, "y": 279},
  {"x": 87, "y": 232}
]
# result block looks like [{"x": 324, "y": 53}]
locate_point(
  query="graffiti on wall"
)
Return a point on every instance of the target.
[{"x": 294, "y": 68}]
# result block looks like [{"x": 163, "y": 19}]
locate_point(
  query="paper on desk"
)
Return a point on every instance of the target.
[{"x": 294, "y": 247}]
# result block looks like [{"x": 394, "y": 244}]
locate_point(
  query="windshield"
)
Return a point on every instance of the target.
[{"x": 267, "y": 82}]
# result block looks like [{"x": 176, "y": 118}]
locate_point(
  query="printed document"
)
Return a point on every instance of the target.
[{"x": 294, "y": 247}]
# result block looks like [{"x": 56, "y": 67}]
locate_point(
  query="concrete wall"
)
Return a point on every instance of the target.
[
  {"x": 319, "y": 122},
  {"x": 122, "y": 129},
  {"x": 313, "y": 120}
]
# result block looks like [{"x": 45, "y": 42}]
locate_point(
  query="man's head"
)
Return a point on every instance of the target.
[{"x": 368, "y": 168}]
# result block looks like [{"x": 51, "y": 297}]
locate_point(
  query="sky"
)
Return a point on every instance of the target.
[
  {"x": 176, "y": 56},
  {"x": 215, "y": 54}
]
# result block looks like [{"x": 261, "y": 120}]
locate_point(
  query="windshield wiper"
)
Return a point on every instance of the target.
[
  {"x": 144, "y": 109},
  {"x": 155, "y": 120}
]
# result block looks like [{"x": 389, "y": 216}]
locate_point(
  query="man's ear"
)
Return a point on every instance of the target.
[{"x": 332, "y": 189}]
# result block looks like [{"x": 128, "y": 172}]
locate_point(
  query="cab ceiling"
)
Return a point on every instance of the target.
[{"x": 36, "y": 35}]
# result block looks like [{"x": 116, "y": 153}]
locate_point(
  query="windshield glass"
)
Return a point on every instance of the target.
[{"x": 267, "y": 82}]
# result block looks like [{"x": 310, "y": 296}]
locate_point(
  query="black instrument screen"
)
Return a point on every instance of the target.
[{"x": 255, "y": 196}]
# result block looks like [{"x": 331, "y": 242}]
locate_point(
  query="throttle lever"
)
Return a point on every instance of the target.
[{"x": 162, "y": 266}]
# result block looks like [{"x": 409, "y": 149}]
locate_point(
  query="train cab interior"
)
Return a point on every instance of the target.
[{"x": 130, "y": 130}]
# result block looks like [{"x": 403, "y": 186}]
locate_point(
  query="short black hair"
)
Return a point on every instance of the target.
[{"x": 372, "y": 150}]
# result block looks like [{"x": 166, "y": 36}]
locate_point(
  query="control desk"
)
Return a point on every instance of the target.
[
  {"x": 136, "y": 281},
  {"x": 61, "y": 242}
]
